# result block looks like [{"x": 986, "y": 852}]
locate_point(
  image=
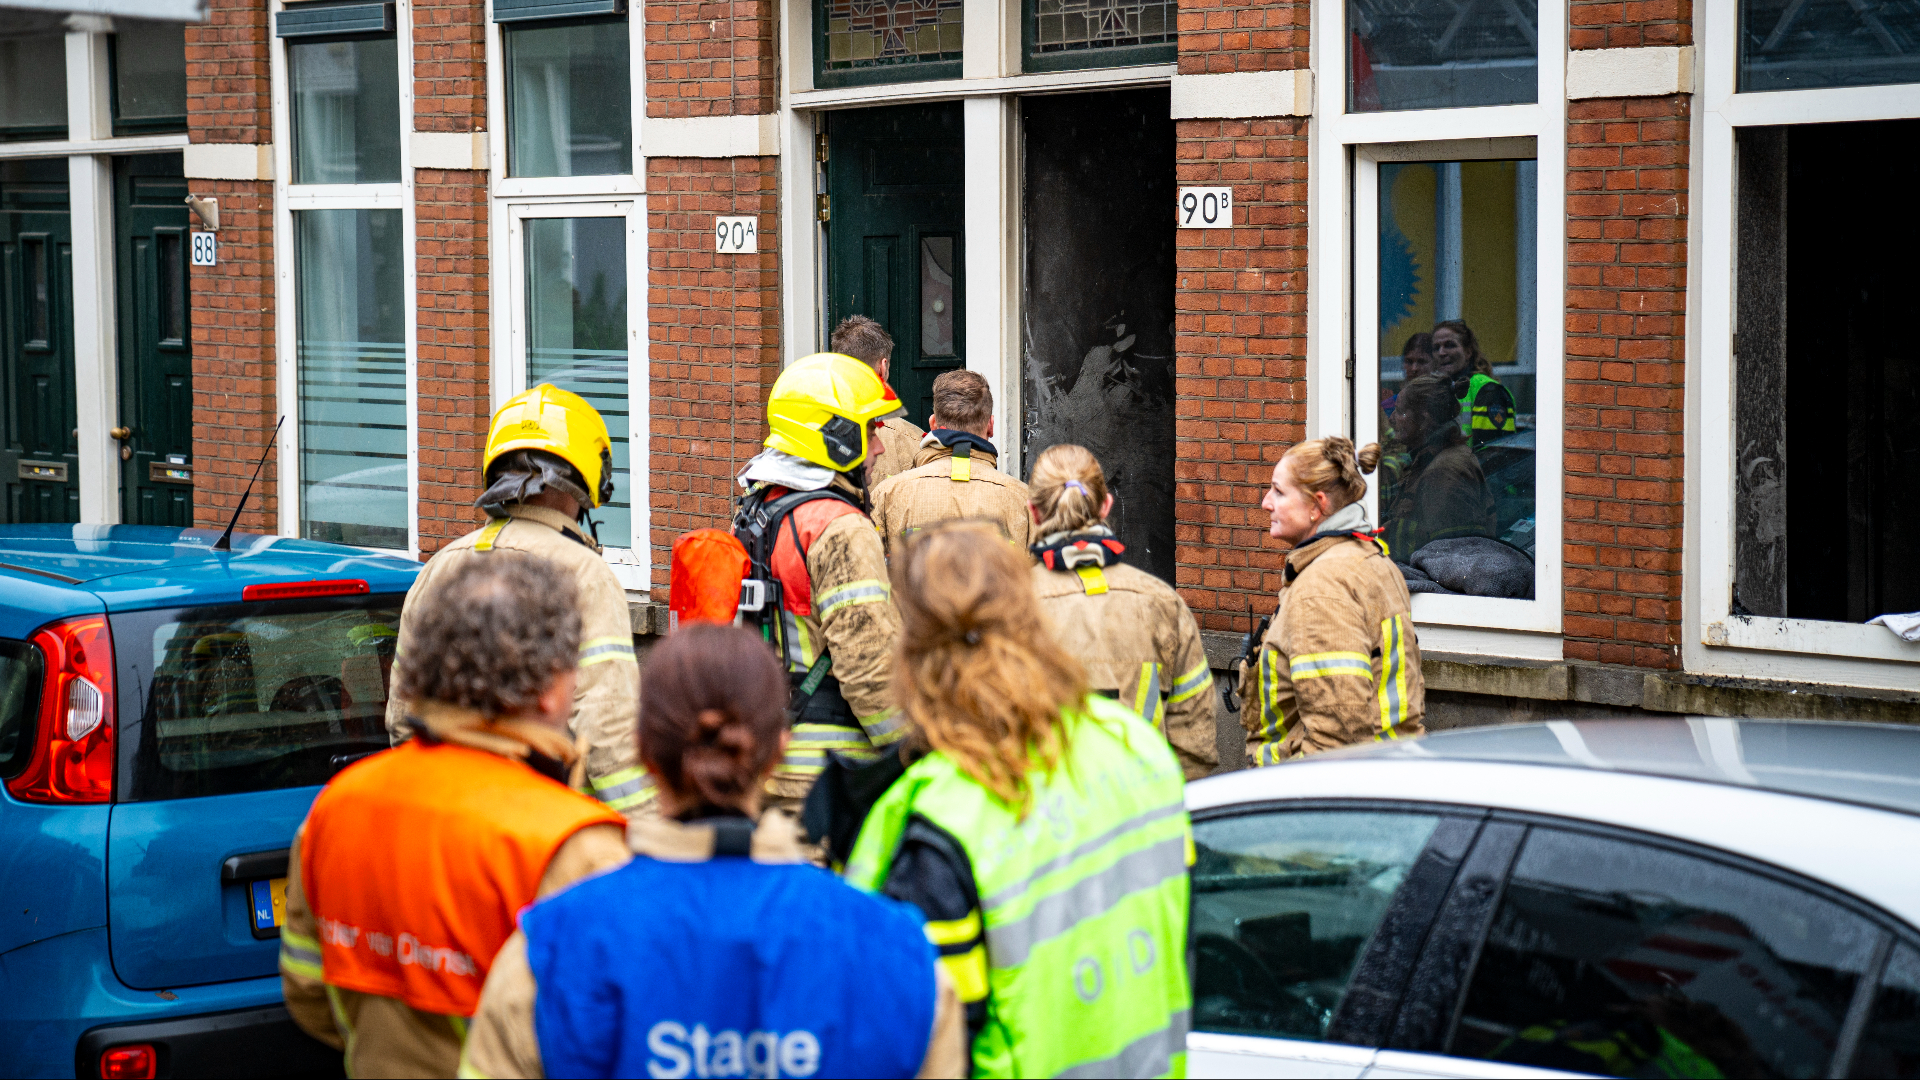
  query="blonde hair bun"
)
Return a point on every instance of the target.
[{"x": 1330, "y": 465}]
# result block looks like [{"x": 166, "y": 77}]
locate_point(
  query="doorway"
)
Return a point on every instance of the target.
[
  {"x": 40, "y": 457},
  {"x": 894, "y": 236},
  {"x": 156, "y": 361}
]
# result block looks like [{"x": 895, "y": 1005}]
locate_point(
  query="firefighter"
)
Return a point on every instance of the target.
[
  {"x": 548, "y": 460},
  {"x": 737, "y": 934},
  {"x": 805, "y": 499},
  {"x": 863, "y": 339},
  {"x": 1043, "y": 833},
  {"x": 1130, "y": 630},
  {"x": 1339, "y": 664},
  {"x": 407, "y": 875},
  {"x": 954, "y": 474}
]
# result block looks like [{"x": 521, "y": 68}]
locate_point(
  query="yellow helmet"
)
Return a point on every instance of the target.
[
  {"x": 561, "y": 423},
  {"x": 821, "y": 407}
]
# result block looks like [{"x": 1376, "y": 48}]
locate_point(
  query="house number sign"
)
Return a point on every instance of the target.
[
  {"x": 204, "y": 252},
  {"x": 736, "y": 235},
  {"x": 1205, "y": 208}
]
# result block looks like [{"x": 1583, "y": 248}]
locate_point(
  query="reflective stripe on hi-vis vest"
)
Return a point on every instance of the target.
[
  {"x": 1084, "y": 898},
  {"x": 1474, "y": 416},
  {"x": 416, "y": 860}
]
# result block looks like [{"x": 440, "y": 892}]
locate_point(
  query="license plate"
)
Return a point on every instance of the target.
[{"x": 269, "y": 906}]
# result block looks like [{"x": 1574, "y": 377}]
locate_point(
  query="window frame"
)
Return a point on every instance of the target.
[
  {"x": 1720, "y": 643},
  {"x": 1345, "y": 145},
  {"x": 290, "y": 198}
]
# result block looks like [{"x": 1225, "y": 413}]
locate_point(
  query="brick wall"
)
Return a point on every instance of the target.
[
  {"x": 229, "y": 89},
  {"x": 1627, "y": 190},
  {"x": 710, "y": 59},
  {"x": 451, "y": 271},
  {"x": 714, "y": 325},
  {"x": 1628, "y": 24},
  {"x": 234, "y": 403},
  {"x": 449, "y": 65},
  {"x": 1242, "y": 35},
  {"x": 1240, "y": 304}
]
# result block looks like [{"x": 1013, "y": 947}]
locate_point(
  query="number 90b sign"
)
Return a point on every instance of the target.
[
  {"x": 1205, "y": 208},
  {"x": 736, "y": 235}
]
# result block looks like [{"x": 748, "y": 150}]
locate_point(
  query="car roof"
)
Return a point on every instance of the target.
[
  {"x": 1874, "y": 764},
  {"x": 135, "y": 566}
]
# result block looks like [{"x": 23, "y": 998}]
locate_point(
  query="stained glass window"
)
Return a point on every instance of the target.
[
  {"x": 869, "y": 41},
  {"x": 1099, "y": 33}
]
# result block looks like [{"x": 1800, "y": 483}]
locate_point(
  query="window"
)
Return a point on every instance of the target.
[
  {"x": 1890, "y": 1045},
  {"x": 1456, "y": 339},
  {"x": 33, "y": 88},
  {"x": 569, "y": 112},
  {"x": 1441, "y": 56},
  {"x": 149, "y": 77},
  {"x": 1624, "y": 959},
  {"x": 1062, "y": 34},
  {"x": 1283, "y": 905},
  {"x": 21, "y": 674},
  {"x": 860, "y": 42},
  {"x": 1799, "y": 44},
  {"x": 351, "y": 310},
  {"x": 1826, "y": 384},
  {"x": 346, "y": 110}
]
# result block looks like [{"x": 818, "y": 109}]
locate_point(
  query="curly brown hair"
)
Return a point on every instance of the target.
[
  {"x": 491, "y": 635},
  {"x": 713, "y": 703},
  {"x": 977, "y": 672}
]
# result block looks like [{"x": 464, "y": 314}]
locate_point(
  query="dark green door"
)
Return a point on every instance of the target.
[
  {"x": 156, "y": 363},
  {"x": 894, "y": 239},
  {"x": 40, "y": 458}
]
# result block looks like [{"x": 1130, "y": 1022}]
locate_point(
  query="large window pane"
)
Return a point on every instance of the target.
[
  {"x": 1457, "y": 373},
  {"x": 1890, "y": 1046},
  {"x": 1413, "y": 54},
  {"x": 346, "y": 111},
  {"x": 1283, "y": 904},
  {"x": 577, "y": 335},
  {"x": 1622, "y": 959},
  {"x": 869, "y": 41},
  {"x": 353, "y": 362},
  {"x": 570, "y": 98},
  {"x": 149, "y": 75},
  {"x": 33, "y": 88},
  {"x": 1799, "y": 44}
]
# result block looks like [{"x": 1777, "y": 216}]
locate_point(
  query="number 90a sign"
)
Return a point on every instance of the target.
[
  {"x": 736, "y": 235},
  {"x": 1205, "y": 208}
]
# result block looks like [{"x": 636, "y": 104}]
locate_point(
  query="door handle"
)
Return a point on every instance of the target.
[{"x": 121, "y": 433}]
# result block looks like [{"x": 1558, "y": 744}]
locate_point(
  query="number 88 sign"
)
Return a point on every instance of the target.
[
  {"x": 736, "y": 235},
  {"x": 1205, "y": 208}
]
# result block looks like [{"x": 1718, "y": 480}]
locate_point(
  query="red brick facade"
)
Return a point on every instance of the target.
[
  {"x": 452, "y": 265},
  {"x": 234, "y": 385},
  {"x": 711, "y": 59},
  {"x": 1218, "y": 36},
  {"x": 449, "y": 66},
  {"x": 1628, "y": 24},
  {"x": 229, "y": 80}
]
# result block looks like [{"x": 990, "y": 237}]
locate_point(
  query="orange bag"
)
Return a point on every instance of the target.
[{"x": 708, "y": 567}]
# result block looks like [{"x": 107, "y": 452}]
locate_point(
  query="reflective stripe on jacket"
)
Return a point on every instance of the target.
[
  {"x": 941, "y": 487},
  {"x": 1486, "y": 413},
  {"x": 1083, "y": 901}
]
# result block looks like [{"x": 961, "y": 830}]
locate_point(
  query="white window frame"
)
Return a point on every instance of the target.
[
  {"x": 1805, "y": 649},
  {"x": 288, "y": 198},
  {"x": 629, "y": 556},
  {"x": 1343, "y": 155}
]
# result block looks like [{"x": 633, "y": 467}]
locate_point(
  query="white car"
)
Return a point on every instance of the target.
[{"x": 1686, "y": 897}]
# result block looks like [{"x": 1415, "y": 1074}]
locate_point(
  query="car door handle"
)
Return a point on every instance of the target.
[{"x": 254, "y": 866}]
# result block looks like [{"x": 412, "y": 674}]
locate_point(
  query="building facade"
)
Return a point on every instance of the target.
[{"x": 1184, "y": 233}]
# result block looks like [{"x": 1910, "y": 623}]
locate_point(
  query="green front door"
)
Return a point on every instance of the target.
[
  {"x": 894, "y": 237},
  {"x": 40, "y": 457},
  {"x": 156, "y": 364}
]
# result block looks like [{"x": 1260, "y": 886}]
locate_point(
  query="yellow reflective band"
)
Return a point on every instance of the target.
[
  {"x": 1274, "y": 732},
  {"x": 1320, "y": 665},
  {"x": 1193, "y": 856},
  {"x": 962, "y": 468},
  {"x": 603, "y": 650},
  {"x": 853, "y": 593},
  {"x": 294, "y": 964},
  {"x": 969, "y": 973},
  {"x": 484, "y": 542},
  {"x": 466, "y": 1071},
  {"x": 1092, "y": 580},
  {"x": 1147, "y": 691},
  {"x": 459, "y": 1028},
  {"x": 347, "y": 1035},
  {"x": 1392, "y": 687},
  {"x": 1193, "y": 682},
  {"x": 955, "y": 931}
]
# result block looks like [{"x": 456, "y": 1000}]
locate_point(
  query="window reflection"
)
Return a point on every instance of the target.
[
  {"x": 569, "y": 105},
  {"x": 1415, "y": 54},
  {"x": 936, "y": 296},
  {"x": 149, "y": 75},
  {"x": 1801, "y": 44},
  {"x": 33, "y": 88},
  {"x": 346, "y": 111}
]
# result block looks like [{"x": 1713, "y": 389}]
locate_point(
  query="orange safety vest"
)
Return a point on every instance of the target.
[{"x": 417, "y": 862}]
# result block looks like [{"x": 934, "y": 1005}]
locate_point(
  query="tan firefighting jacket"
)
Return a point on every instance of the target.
[
  {"x": 852, "y": 620},
  {"x": 606, "y": 697},
  {"x": 384, "y": 1036},
  {"x": 1138, "y": 642},
  {"x": 1340, "y": 664},
  {"x": 941, "y": 487},
  {"x": 899, "y": 441},
  {"x": 502, "y": 1043}
]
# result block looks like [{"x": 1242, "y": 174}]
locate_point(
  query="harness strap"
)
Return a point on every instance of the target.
[
  {"x": 489, "y": 534},
  {"x": 962, "y": 463},
  {"x": 1092, "y": 580}
]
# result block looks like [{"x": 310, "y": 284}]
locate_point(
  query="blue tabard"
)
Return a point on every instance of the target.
[{"x": 728, "y": 968}]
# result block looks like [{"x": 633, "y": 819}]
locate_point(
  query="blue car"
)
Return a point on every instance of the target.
[{"x": 168, "y": 710}]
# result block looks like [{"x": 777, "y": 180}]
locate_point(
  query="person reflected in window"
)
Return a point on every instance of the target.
[
  {"x": 1443, "y": 492},
  {"x": 1416, "y": 359},
  {"x": 1486, "y": 407}
]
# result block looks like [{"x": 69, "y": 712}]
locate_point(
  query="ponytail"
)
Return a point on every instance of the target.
[
  {"x": 1068, "y": 487},
  {"x": 712, "y": 707}
]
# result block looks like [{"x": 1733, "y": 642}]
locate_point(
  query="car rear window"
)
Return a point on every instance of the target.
[
  {"x": 251, "y": 697},
  {"x": 21, "y": 671}
]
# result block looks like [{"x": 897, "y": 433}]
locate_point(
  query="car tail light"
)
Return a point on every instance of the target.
[
  {"x": 136, "y": 1062},
  {"x": 73, "y": 753},
  {"x": 289, "y": 590}
]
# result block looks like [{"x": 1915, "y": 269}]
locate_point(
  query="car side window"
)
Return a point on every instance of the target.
[
  {"x": 21, "y": 672},
  {"x": 1890, "y": 1044},
  {"x": 1625, "y": 959},
  {"x": 1283, "y": 905}
]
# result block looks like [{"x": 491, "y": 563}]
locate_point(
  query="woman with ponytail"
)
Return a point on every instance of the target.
[
  {"x": 1129, "y": 630},
  {"x": 1043, "y": 831},
  {"x": 717, "y": 951},
  {"x": 1339, "y": 664}
]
